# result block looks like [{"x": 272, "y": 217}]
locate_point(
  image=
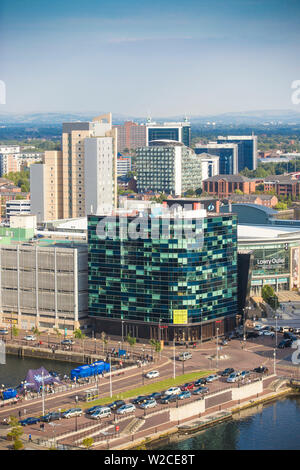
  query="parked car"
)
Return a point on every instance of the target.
[
  {"x": 212, "y": 377},
  {"x": 284, "y": 329},
  {"x": 72, "y": 412},
  {"x": 151, "y": 403},
  {"x": 156, "y": 395},
  {"x": 30, "y": 338},
  {"x": 226, "y": 372},
  {"x": 67, "y": 342},
  {"x": 91, "y": 410},
  {"x": 244, "y": 374},
  {"x": 297, "y": 331},
  {"x": 200, "y": 391},
  {"x": 116, "y": 404},
  {"x": 168, "y": 399},
  {"x": 173, "y": 391},
  {"x": 269, "y": 333},
  {"x": 184, "y": 356},
  {"x": 183, "y": 395},
  {"x": 187, "y": 386},
  {"x": 3, "y": 331},
  {"x": 28, "y": 421},
  {"x": 285, "y": 343},
  {"x": 140, "y": 399},
  {"x": 261, "y": 370},
  {"x": 199, "y": 382},
  {"x": 258, "y": 327},
  {"x": 103, "y": 412},
  {"x": 291, "y": 336},
  {"x": 234, "y": 377},
  {"x": 224, "y": 342},
  {"x": 52, "y": 416},
  {"x": 129, "y": 408},
  {"x": 152, "y": 375},
  {"x": 252, "y": 334}
]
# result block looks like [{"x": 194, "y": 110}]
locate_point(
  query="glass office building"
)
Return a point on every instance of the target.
[
  {"x": 247, "y": 150},
  {"x": 175, "y": 284},
  {"x": 180, "y": 131},
  {"x": 169, "y": 167}
]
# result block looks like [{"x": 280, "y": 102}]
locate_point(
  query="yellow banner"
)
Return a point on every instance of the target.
[{"x": 180, "y": 317}]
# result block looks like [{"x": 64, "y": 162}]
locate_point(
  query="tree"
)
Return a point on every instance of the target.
[
  {"x": 104, "y": 339},
  {"x": 78, "y": 334},
  {"x": 238, "y": 191},
  {"x": 130, "y": 340},
  {"x": 36, "y": 331},
  {"x": 58, "y": 332},
  {"x": 18, "y": 444},
  {"x": 15, "y": 331},
  {"x": 156, "y": 345},
  {"x": 268, "y": 294},
  {"x": 281, "y": 206},
  {"x": 88, "y": 442}
]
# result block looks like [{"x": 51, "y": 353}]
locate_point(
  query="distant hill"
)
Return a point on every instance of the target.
[{"x": 288, "y": 116}]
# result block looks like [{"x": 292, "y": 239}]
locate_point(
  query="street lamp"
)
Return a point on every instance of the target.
[
  {"x": 274, "y": 355},
  {"x": 276, "y": 317},
  {"x": 122, "y": 332},
  {"x": 217, "y": 347},
  {"x": 174, "y": 359},
  {"x": 110, "y": 381},
  {"x": 95, "y": 340}
]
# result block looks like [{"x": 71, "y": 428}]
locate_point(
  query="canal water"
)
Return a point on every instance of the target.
[
  {"x": 15, "y": 369},
  {"x": 270, "y": 427}
]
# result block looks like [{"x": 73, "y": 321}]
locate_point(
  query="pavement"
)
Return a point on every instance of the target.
[{"x": 237, "y": 354}]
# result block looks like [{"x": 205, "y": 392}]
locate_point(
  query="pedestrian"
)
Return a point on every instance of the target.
[
  {"x": 19, "y": 413},
  {"x": 29, "y": 437}
]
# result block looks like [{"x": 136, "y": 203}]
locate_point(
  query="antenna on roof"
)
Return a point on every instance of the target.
[{"x": 149, "y": 116}]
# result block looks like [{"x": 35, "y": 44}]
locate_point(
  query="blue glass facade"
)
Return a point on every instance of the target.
[
  {"x": 147, "y": 279},
  {"x": 226, "y": 160}
]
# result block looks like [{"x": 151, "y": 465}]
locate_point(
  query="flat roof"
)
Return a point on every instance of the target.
[{"x": 261, "y": 232}]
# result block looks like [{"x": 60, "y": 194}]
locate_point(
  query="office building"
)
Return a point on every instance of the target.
[
  {"x": 179, "y": 131},
  {"x": 130, "y": 136},
  {"x": 174, "y": 284},
  {"x": 224, "y": 185},
  {"x": 227, "y": 153},
  {"x": 210, "y": 165},
  {"x": 46, "y": 187},
  {"x": 247, "y": 149},
  {"x": 58, "y": 185},
  {"x": 123, "y": 165},
  {"x": 100, "y": 169},
  {"x": 167, "y": 166}
]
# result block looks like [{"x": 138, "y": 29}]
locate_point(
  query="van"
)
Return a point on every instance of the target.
[
  {"x": 184, "y": 356},
  {"x": 102, "y": 413}
]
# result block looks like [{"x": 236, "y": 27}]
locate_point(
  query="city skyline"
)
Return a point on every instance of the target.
[{"x": 193, "y": 58}]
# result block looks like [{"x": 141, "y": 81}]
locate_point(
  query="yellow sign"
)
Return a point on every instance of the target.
[{"x": 180, "y": 317}]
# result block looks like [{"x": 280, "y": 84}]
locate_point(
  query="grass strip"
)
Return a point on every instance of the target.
[{"x": 148, "y": 389}]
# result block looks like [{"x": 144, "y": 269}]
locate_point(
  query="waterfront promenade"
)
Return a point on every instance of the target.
[{"x": 115, "y": 432}]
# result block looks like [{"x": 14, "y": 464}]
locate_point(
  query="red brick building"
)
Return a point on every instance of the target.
[{"x": 224, "y": 185}]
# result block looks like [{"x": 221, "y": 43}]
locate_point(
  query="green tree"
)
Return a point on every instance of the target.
[
  {"x": 78, "y": 334},
  {"x": 15, "y": 331},
  {"x": 130, "y": 340},
  {"x": 281, "y": 206},
  {"x": 18, "y": 444},
  {"x": 268, "y": 294},
  {"x": 103, "y": 339}
]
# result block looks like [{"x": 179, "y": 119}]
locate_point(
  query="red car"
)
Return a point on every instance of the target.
[{"x": 188, "y": 386}]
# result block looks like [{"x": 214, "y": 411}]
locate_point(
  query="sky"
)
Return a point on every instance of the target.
[{"x": 158, "y": 58}]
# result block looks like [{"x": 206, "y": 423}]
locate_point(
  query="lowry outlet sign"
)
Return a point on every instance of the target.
[{"x": 270, "y": 262}]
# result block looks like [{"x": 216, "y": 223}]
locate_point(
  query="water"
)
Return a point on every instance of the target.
[
  {"x": 15, "y": 369},
  {"x": 275, "y": 427}
]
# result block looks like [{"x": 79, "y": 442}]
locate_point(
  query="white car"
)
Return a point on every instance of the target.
[
  {"x": 72, "y": 412},
  {"x": 258, "y": 327},
  {"x": 173, "y": 391},
  {"x": 268, "y": 333},
  {"x": 233, "y": 377},
  {"x": 152, "y": 374},
  {"x": 149, "y": 403},
  {"x": 126, "y": 409},
  {"x": 30, "y": 338},
  {"x": 211, "y": 378}
]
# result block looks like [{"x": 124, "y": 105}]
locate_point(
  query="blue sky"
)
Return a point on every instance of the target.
[{"x": 163, "y": 57}]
